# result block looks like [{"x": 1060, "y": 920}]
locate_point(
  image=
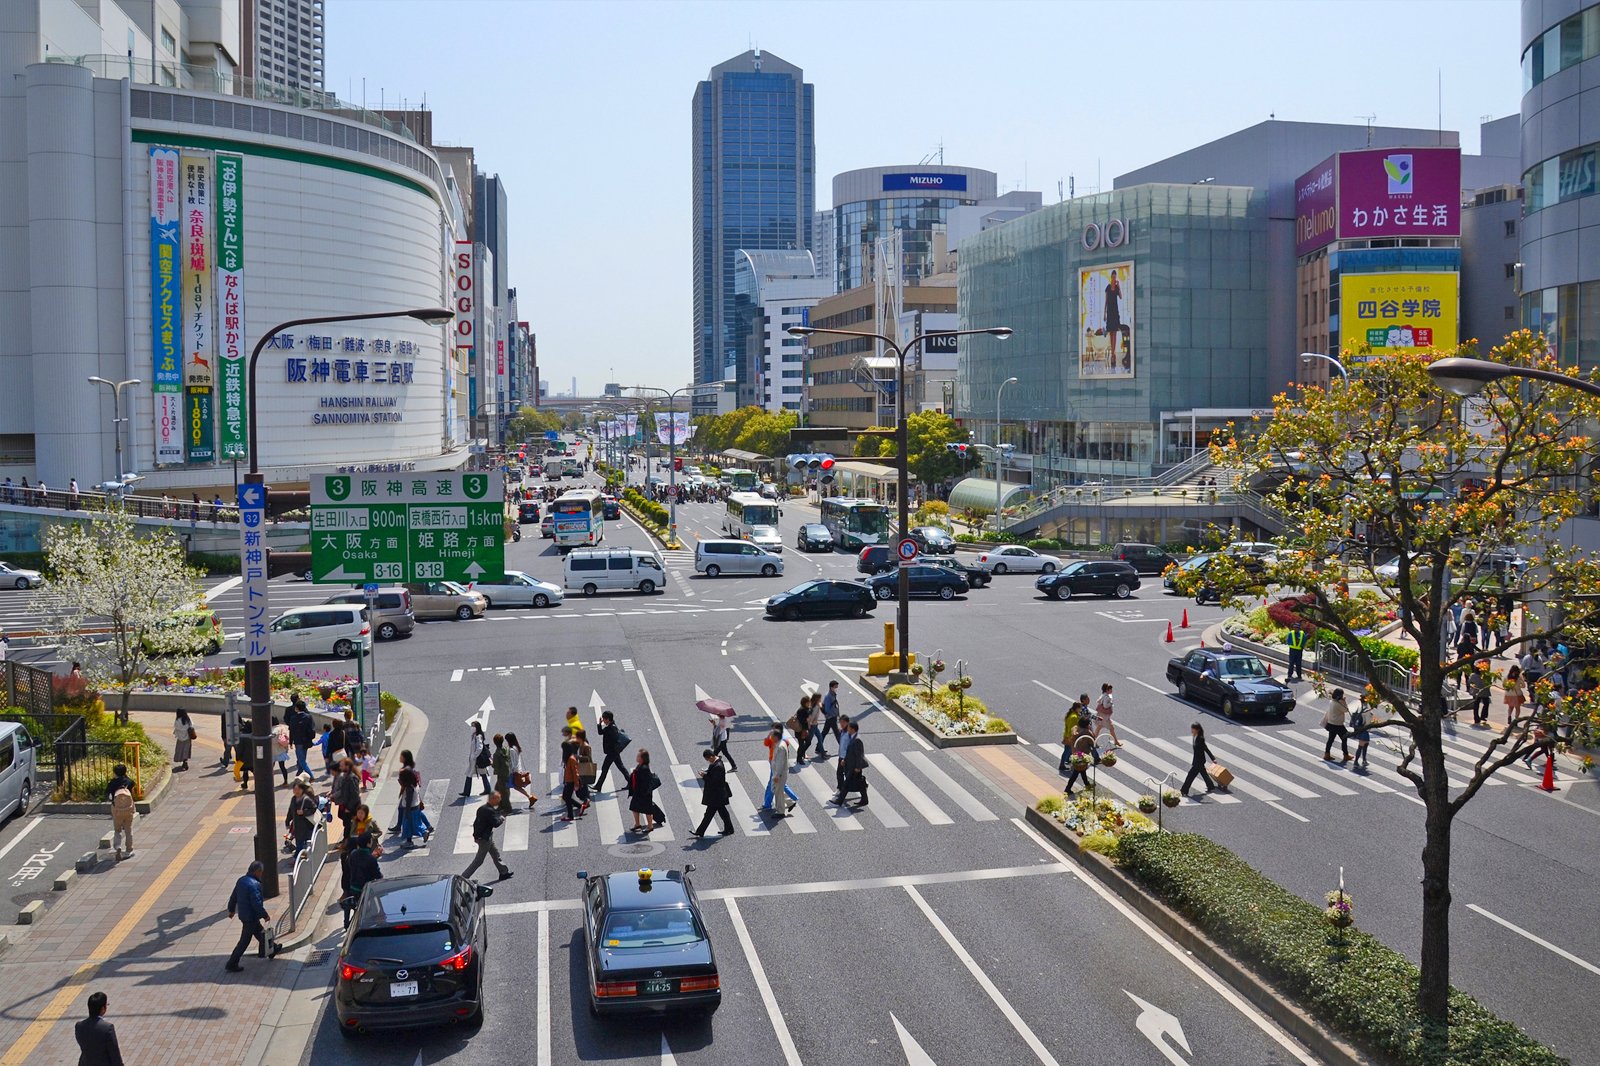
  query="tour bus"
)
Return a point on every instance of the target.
[
  {"x": 578, "y": 518},
  {"x": 745, "y": 510},
  {"x": 855, "y": 523},
  {"x": 739, "y": 479}
]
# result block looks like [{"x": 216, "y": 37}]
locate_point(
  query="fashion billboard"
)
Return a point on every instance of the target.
[
  {"x": 1105, "y": 321},
  {"x": 1392, "y": 313},
  {"x": 1379, "y": 193}
]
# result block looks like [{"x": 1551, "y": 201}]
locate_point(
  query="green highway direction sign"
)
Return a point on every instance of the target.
[{"x": 407, "y": 527}]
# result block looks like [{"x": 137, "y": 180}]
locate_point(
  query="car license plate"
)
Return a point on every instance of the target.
[
  {"x": 400, "y": 989},
  {"x": 652, "y": 988}
]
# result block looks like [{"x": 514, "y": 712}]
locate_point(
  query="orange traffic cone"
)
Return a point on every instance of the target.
[
  {"x": 1185, "y": 623},
  {"x": 1169, "y": 632},
  {"x": 1202, "y": 642},
  {"x": 1269, "y": 669},
  {"x": 1549, "y": 782}
]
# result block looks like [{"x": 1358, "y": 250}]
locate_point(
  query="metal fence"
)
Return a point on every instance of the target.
[
  {"x": 1341, "y": 664},
  {"x": 27, "y": 687},
  {"x": 303, "y": 875},
  {"x": 84, "y": 767},
  {"x": 45, "y": 729}
]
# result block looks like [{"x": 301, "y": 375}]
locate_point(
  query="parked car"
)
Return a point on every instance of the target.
[
  {"x": 974, "y": 577},
  {"x": 339, "y": 630},
  {"x": 18, "y": 578},
  {"x": 925, "y": 580},
  {"x": 1235, "y": 682},
  {"x": 875, "y": 559},
  {"x": 1145, "y": 558},
  {"x": 814, "y": 536},
  {"x": 527, "y": 511},
  {"x": 19, "y": 769},
  {"x": 714, "y": 557},
  {"x": 1017, "y": 557},
  {"x": 518, "y": 589},
  {"x": 646, "y": 947},
  {"x": 1174, "y": 574},
  {"x": 931, "y": 540},
  {"x": 1255, "y": 569},
  {"x": 202, "y": 634},
  {"x": 1092, "y": 577},
  {"x": 413, "y": 954},
  {"x": 767, "y": 537},
  {"x": 822, "y": 599},
  {"x": 445, "y": 599},
  {"x": 390, "y": 613}
]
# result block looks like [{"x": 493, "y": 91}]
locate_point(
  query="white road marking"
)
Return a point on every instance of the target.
[
  {"x": 1212, "y": 980},
  {"x": 1152, "y": 688},
  {"x": 866, "y": 697},
  {"x": 465, "y": 845},
  {"x": 912, "y": 1050},
  {"x": 544, "y": 728},
  {"x": 946, "y": 784},
  {"x": 542, "y": 996},
  {"x": 661, "y": 727},
  {"x": 608, "y": 812},
  {"x": 517, "y": 829},
  {"x": 1569, "y": 956},
  {"x": 455, "y": 675},
  {"x": 1249, "y": 788},
  {"x": 1237, "y": 743},
  {"x": 908, "y": 788},
  {"x": 30, "y": 827},
  {"x": 1023, "y": 1030},
  {"x": 744, "y": 810},
  {"x": 666, "y": 1049},
  {"x": 1155, "y": 1025},
  {"x": 780, "y": 1028},
  {"x": 757, "y": 696},
  {"x": 562, "y": 834},
  {"x": 821, "y": 791}
]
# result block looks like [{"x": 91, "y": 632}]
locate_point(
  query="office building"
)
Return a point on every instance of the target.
[
  {"x": 824, "y": 247},
  {"x": 876, "y": 203},
  {"x": 283, "y": 43},
  {"x": 754, "y": 188},
  {"x": 775, "y": 290}
]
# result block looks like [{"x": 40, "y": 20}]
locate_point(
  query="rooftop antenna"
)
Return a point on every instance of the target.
[
  {"x": 1370, "y": 119},
  {"x": 1072, "y": 187},
  {"x": 1061, "y": 193}
]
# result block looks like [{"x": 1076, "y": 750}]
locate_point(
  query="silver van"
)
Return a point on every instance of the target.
[
  {"x": 19, "y": 769},
  {"x": 592, "y": 570},
  {"x": 713, "y": 557}
]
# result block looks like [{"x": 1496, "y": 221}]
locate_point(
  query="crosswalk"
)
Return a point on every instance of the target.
[
  {"x": 1276, "y": 766},
  {"x": 908, "y": 789}
]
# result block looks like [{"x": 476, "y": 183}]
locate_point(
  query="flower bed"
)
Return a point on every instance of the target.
[
  {"x": 1100, "y": 824},
  {"x": 321, "y": 691},
  {"x": 1351, "y": 982},
  {"x": 947, "y": 715}
]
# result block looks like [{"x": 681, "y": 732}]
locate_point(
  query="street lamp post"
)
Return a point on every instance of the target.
[
  {"x": 901, "y": 436},
  {"x": 116, "y": 413},
  {"x": 1330, "y": 360},
  {"x": 672, "y": 444},
  {"x": 258, "y": 671},
  {"x": 999, "y": 453}
]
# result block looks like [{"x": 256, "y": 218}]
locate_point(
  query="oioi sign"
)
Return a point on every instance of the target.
[{"x": 414, "y": 527}]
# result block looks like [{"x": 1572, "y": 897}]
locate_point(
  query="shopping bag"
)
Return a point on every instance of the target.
[
  {"x": 587, "y": 772},
  {"x": 1220, "y": 774}
]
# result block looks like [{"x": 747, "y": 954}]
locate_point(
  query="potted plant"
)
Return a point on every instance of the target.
[
  {"x": 1147, "y": 804},
  {"x": 1080, "y": 762},
  {"x": 1341, "y": 910},
  {"x": 1171, "y": 798},
  {"x": 1108, "y": 759}
]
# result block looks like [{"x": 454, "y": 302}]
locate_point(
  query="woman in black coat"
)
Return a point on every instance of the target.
[
  {"x": 1197, "y": 767},
  {"x": 642, "y": 785}
]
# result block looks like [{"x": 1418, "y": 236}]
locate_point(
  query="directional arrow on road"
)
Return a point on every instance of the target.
[
  {"x": 1156, "y": 1025},
  {"x": 482, "y": 717},
  {"x": 810, "y": 688},
  {"x": 596, "y": 704},
  {"x": 700, "y": 694},
  {"x": 915, "y": 1056}
]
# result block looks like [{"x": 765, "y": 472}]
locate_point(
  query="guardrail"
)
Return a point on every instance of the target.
[
  {"x": 84, "y": 767},
  {"x": 303, "y": 876},
  {"x": 1344, "y": 665}
]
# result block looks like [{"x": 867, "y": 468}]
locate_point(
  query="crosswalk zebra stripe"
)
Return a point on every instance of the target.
[
  {"x": 906, "y": 787},
  {"x": 1164, "y": 769},
  {"x": 946, "y": 784},
  {"x": 607, "y": 811},
  {"x": 745, "y": 816},
  {"x": 1312, "y": 737},
  {"x": 1104, "y": 779},
  {"x": 433, "y": 804},
  {"x": 887, "y": 816},
  {"x": 562, "y": 834},
  {"x": 518, "y": 826},
  {"x": 820, "y": 787},
  {"x": 1241, "y": 752},
  {"x": 1241, "y": 780},
  {"x": 1459, "y": 748},
  {"x": 464, "y": 844},
  {"x": 1360, "y": 780},
  {"x": 690, "y": 791}
]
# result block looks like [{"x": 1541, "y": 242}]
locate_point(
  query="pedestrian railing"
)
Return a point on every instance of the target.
[
  {"x": 303, "y": 875},
  {"x": 85, "y": 767},
  {"x": 1344, "y": 665}
]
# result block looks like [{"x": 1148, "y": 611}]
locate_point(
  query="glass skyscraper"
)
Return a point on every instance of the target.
[{"x": 754, "y": 189}]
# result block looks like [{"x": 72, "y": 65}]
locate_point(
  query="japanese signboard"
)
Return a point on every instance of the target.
[
  {"x": 1395, "y": 313},
  {"x": 1379, "y": 193},
  {"x": 230, "y": 298},
  {"x": 419, "y": 527},
  {"x": 1316, "y": 207},
  {"x": 253, "y": 560},
  {"x": 1105, "y": 321},
  {"x": 195, "y": 232},
  {"x": 198, "y": 431},
  {"x": 166, "y": 345}
]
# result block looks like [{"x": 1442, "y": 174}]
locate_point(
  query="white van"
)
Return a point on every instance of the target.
[
  {"x": 713, "y": 557},
  {"x": 593, "y": 570},
  {"x": 19, "y": 769}
]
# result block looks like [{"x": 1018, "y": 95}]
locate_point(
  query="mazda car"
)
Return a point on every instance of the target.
[
  {"x": 822, "y": 599},
  {"x": 1236, "y": 683},
  {"x": 646, "y": 946},
  {"x": 925, "y": 580}
]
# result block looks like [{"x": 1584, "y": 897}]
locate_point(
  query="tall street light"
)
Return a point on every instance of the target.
[
  {"x": 258, "y": 670},
  {"x": 1466, "y": 377},
  {"x": 672, "y": 444},
  {"x": 901, "y": 434},
  {"x": 999, "y": 452},
  {"x": 1306, "y": 357},
  {"x": 116, "y": 388}
]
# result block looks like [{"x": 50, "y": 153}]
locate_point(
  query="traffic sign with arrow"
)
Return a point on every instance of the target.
[{"x": 410, "y": 527}]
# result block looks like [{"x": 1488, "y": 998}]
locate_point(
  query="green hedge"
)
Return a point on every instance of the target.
[
  {"x": 1364, "y": 991},
  {"x": 1376, "y": 647}
]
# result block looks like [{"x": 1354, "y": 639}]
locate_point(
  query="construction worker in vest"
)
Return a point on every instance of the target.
[{"x": 1297, "y": 652}]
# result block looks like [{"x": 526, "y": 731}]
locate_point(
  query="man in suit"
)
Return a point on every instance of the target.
[
  {"x": 97, "y": 1038},
  {"x": 248, "y": 906},
  {"x": 853, "y": 763},
  {"x": 714, "y": 794}
]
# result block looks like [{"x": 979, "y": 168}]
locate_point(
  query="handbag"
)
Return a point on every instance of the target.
[
  {"x": 192, "y": 734},
  {"x": 484, "y": 759},
  {"x": 523, "y": 778},
  {"x": 623, "y": 740},
  {"x": 1220, "y": 774},
  {"x": 587, "y": 772}
]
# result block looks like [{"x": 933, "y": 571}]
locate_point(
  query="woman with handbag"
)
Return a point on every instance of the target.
[
  {"x": 642, "y": 785},
  {"x": 479, "y": 759},
  {"x": 183, "y": 735},
  {"x": 413, "y": 822},
  {"x": 520, "y": 778}
]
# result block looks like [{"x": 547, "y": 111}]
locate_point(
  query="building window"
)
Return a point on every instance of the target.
[
  {"x": 1511, "y": 313},
  {"x": 1575, "y": 39},
  {"x": 1511, "y": 227},
  {"x": 1511, "y": 270},
  {"x": 1568, "y": 176},
  {"x": 169, "y": 44}
]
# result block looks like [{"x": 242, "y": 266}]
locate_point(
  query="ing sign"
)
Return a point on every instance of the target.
[{"x": 465, "y": 294}]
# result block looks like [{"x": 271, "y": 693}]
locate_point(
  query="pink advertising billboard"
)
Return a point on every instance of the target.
[{"x": 1377, "y": 193}]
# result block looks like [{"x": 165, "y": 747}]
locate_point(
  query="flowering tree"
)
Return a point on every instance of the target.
[
  {"x": 113, "y": 590},
  {"x": 1386, "y": 464}
]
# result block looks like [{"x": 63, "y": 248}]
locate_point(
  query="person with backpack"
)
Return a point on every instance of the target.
[
  {"x": 1361, "y": 726},
  {"x": 613, "y": 741},
  {"x": 119, "y": 791},
  {"x": 479, "y": 759}
]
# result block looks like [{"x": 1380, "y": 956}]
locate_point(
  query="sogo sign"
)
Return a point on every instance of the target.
[{"x": 464, "y": 294}]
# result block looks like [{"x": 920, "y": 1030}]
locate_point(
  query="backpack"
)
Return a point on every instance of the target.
[
  {"x": 122, "y": 800},
  {"x": 484, "y": 759},
  {"x": 1358, "y": 719}
]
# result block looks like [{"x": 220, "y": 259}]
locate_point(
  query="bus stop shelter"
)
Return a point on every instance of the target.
[{"x": 868, "y": 481}]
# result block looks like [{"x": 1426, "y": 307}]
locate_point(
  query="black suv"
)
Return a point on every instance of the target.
[
  {"x": 413, "y": 954},
  {"x": 875, "y": 559},
  {"x": 1090, "y": 577}
]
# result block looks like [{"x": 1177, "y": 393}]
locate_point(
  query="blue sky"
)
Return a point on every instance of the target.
[{"x": 583, "y": 110}]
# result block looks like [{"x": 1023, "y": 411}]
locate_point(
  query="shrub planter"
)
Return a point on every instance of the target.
[{"x": 934, "y": 736}]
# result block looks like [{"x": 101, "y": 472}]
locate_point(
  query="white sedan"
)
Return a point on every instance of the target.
[
  {"x": 16, "y": 577},
  {"x": 1017, "y": 558},
  {"x": 518, "y": 590}
]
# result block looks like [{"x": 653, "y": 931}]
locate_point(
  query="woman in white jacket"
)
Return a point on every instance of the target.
[{"x": 476, "y": 744}]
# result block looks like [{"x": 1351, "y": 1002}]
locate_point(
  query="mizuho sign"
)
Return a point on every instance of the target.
[{"x": 1113, "y": 234}]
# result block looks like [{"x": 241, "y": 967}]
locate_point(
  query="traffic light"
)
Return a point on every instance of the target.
[
  {"x": 959, "y": 449},
  {"x": 811, "y": 462}
]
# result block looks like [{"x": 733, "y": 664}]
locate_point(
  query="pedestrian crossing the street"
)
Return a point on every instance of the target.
[
  {"x": 1278, "y": 766},
  {"x": 908, "y": 789}
]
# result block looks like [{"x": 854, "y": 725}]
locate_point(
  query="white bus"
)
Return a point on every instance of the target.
[
  {"x": 855, "y": 523},
  {"x": 578, "y": 519},
  {"x": 746, "y": 510}
]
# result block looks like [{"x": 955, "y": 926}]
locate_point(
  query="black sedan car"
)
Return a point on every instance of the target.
[
  {"x": 814, "y": 537},
  {"x": 1091, "y": 578},
  {"x": 822, "y": 599},
  {"x": 413, "y": 954},
  {"x": 925, "y": 581},
  {"x": 647, "y": 947},
  {"x": 975, "y": 577},
  {"x": 931, "y": 540},
  {"x": 527, "y": 511},
  {"x": 610, "y": 508},
  {"x": 1236, "y": 682}
]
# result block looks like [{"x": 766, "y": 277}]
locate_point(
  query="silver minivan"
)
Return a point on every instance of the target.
[
  {"x": 592, "y": 570},
  {"x": 19, "y": 769},
  {"x": 713, "y": 557}
]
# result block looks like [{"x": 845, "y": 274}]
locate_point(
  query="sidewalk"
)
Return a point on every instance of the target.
[{"x": 153, "y": 934}]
